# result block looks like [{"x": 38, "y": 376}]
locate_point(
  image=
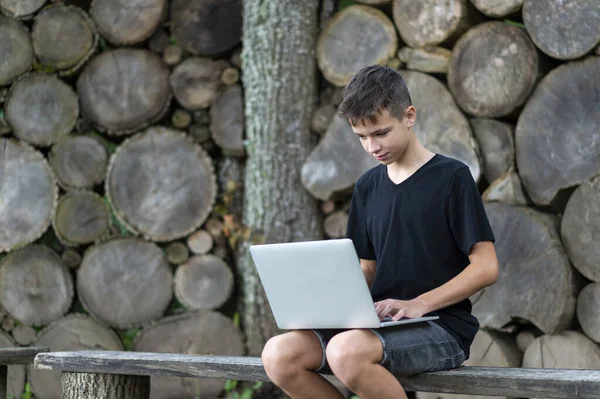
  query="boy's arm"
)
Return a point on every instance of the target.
[
  {"x": 480, "y": 273},
  {"x": 368, "y": 267}
]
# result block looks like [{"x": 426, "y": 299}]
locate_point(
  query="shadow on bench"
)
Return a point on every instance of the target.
[{"x": 126, "y": 375}]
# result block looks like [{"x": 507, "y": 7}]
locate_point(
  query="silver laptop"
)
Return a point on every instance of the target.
[{"x": 318, "y": 284}]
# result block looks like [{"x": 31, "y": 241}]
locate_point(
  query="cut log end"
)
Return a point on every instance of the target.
[
  {"x": 16, "y": 50},
  {"x": 227, "y": 121},
  {"x": 204, "y": 282},
  {"x": 196, "y": 82},
  {"x": 82, "y": 217},
  {"x": 177, "y": 253},
  {"x": 334, "y": 57},
  {"x": 200, "y": 243}
]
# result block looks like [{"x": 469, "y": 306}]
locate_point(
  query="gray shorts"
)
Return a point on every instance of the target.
[{"x": 408, "y": 349}]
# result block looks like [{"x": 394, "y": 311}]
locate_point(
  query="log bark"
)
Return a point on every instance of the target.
[
  {"x": 64, "y": 37},
  {"x": 80, "y": 162},
  {"x": 506, "y": 189},
  {"x": 20, "y": 9},
  {"x": 204, "y": 282},
  {"x": 343, "y": 48},
  {"x": 82, "y": 217},
  {"x": 41, "y": 109},
  {"x": 206, "y": 27},
  {"x": 280, "y": 92},
  {"x": 104, "y": 386},
  {"x": 124, "y": 90},
  {"x": 140, "y": 288},
  {"x": 588, "y": 311},
  {"x": 533, "y": 261},
  {"x": 432, "y": 22},
  {"x": 563, "y": 29},
  {"x": 335, "y": 224},
  {"x": 429, "y": 60},
  {"x": 200, "y": 242},
  {"x": 489, "y": 349},
  {"x": 496, "y": 142},
  {"x": 336, "y": 163},
  {"x": 15, "y": 377},
  {"x": 498, "y": 8},
  {"x": 29, "y": 195},
  {"x": 227, "y": 121},
  {"x": 127, "y": 22},
  {"x": 35, "y": 286},
  {"x": 177, "y": 253},
  {"x": 493, "y": 69},
  {"x": 16, "y": 50},
  {"x": 199, "y": 333},
  {"x": 580, "y": 229},
  {"x": 161, "y": 184},
  {"x": 73, "y": 333},
  {"x": 196, "y": 82},
  {"x": 441, "y": 127},
  {"x": 568, "y": 350},
  {"x": 566, "y": 97}
]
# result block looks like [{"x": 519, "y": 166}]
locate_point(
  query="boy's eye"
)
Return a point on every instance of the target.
[{"x": 381, "y": 134}]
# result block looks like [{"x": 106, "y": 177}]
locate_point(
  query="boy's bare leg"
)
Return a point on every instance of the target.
[
  {"x": 288, "y": 360},
  {"x": 354, "y": 358}
]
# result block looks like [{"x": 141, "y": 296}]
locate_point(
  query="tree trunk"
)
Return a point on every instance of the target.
[
  {"x": 72, "y": 333},
  {"x": 563, "y": 29},
  {"x": 104, "y": 386},
  {"x": 280, "y": 83}
]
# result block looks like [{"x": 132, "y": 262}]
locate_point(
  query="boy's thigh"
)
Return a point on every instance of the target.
[{"x": 408, "y": 349}]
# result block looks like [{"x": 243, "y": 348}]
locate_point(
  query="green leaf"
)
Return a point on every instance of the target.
[
  {"x": 345, "y": 3},
  {"x": 257, "y": 385},
  {"x": 514, "y": 23},
  {"x": 236, "y": 319},
  {"x": 172, "y": 41},
  {"x": 247, "y": 394},
  {"x": 230, "y": 385}
]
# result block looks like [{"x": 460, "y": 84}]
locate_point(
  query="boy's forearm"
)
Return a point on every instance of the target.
[{"x": 472, "y": 279}]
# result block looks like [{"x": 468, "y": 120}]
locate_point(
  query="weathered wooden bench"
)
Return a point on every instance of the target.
[
  {"x": 13, "y": 356},
  {"x": 126, "y": 375}
]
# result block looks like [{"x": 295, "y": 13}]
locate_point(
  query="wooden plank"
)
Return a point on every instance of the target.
[
  {"x": 3, "y": 381},
  {"x": 9, "y": 356},
  {"x": 516, "y": 382}
]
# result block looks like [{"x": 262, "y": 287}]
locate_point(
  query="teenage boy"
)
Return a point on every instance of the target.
[{"x": 425, "y": 246}]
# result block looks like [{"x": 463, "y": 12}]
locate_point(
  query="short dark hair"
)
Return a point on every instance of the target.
[{"x": 372, "y": 90}]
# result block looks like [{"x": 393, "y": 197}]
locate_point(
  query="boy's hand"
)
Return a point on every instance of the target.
[{"x": 398, "y": 309}]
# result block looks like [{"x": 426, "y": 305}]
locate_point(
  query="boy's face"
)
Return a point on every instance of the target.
[{"x": 387, "y": 138}]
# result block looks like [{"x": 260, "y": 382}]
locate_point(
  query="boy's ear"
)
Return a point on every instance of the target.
[{"x": 410, "y": 115}]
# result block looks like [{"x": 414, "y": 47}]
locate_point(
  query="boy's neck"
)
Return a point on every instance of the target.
[{"x": 415, "y": 156}]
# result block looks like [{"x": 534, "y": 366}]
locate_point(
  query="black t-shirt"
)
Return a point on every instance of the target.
[{"x": 420, "y": 232}]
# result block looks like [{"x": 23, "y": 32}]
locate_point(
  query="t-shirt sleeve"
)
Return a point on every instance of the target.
[
  {"x": 466, "y": 214},
  {"x": 357, "y": 228}
]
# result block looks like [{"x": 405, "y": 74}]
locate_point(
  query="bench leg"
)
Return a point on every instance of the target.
[
  {"x": 104, "y": 386},
  {"x": 3, "y": 382}
]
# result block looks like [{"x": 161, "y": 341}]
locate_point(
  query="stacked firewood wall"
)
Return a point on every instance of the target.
[
  {"x": 122, "y": 170},
  {"x": 511, "y": 88}
]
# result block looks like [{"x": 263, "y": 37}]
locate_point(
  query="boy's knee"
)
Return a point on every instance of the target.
[
  {"x": 348, "y": 354},
  {"x": 281, "y": 358}
]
